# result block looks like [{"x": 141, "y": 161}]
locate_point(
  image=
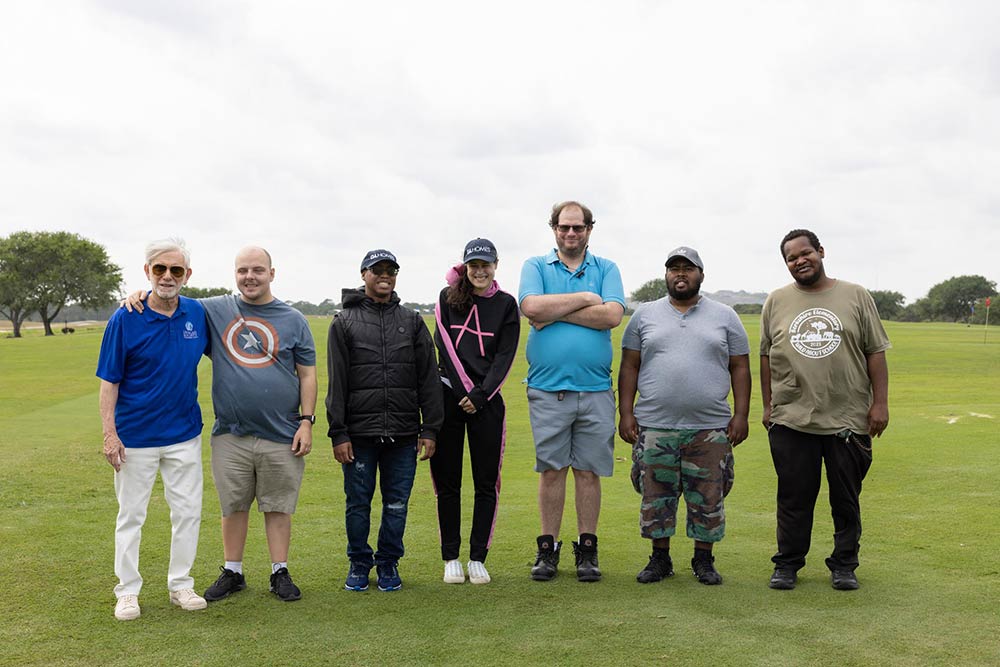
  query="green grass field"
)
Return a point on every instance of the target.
[{"x": 930, "y": 569}]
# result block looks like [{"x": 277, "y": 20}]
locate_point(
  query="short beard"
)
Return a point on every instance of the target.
[
  {"x": 689, "y": 293},
  {"x": 811, "y": 280}
]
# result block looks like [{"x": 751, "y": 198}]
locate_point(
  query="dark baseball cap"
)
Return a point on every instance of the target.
[
  {"x": 373, "y": 257},
  {"x": 690, "y": 254},
  {"x": 480, "y": 249}
]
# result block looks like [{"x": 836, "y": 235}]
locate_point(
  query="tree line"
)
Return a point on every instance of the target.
[{"x": 960, "y": 298}]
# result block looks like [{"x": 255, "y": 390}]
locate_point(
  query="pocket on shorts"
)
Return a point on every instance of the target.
[
  {"x": 636, "y": 473},
  {"x": 728, "y": 473}
]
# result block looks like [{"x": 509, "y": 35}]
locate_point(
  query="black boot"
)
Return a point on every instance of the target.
[
  {"x": 586, "y": 558},
  {"x": 547, "y": 559}
]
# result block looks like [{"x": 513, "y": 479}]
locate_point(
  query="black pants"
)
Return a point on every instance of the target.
[
  {"x": 487, "y": 430},
  {"x": 798, "y": 458}
]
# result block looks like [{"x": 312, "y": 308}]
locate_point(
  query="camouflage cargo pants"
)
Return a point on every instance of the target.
[{"x": 699, "y": 464}]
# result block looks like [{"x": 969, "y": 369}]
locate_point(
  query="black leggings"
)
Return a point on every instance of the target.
[{"x": 487, "y": 430}]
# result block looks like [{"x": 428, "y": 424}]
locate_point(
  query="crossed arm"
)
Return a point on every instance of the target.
[{"x": 586, "y": 309}]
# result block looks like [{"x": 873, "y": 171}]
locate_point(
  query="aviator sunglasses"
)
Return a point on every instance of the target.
[{"x": 175, "y": 271}]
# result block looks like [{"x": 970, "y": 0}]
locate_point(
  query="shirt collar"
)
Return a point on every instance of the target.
[{"x": 553, "y": 258}]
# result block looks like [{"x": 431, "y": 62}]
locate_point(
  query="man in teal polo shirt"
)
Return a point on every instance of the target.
[
  {"x": 151, "y": 420},
  {"x": 573, "y": 300}
]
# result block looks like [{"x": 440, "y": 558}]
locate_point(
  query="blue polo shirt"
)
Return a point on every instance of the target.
[
  {"x": 154, "y": 361},
  {"x": 564, "y": 356}
]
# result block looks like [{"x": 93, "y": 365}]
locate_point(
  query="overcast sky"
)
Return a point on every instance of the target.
[{"x": 323, "y": 129}]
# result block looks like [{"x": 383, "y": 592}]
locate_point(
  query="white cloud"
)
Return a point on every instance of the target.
[{"x": 323, "y": 129}]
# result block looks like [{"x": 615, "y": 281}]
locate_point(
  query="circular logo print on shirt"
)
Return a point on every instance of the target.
[
  {"x": 250, "y": 342},
  {"x": 815, "y": 333}
]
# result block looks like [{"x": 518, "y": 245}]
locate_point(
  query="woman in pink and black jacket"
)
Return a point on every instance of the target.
[{"x": 476, "y": 338}]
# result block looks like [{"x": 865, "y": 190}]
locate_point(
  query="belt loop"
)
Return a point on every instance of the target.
[{"x": 561, "y": 395}]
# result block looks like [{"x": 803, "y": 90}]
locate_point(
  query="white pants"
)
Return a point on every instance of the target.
[{"x": 180, "y": 467}]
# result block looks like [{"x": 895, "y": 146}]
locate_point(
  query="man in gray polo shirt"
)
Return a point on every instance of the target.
[{"x": 683, "y": 353}]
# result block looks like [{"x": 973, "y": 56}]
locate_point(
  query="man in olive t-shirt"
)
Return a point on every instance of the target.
[{"x": 825, "y": 387}]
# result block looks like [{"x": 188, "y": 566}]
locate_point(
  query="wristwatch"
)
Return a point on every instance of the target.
[{"x": 310, "y": 418}]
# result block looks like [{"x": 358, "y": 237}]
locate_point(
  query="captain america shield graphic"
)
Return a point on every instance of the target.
[{"x": 251, "y": 342}]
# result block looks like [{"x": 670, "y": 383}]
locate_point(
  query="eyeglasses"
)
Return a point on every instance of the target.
[
  {"x": 384, "y": 270},
  {"x": 576, "y": 229},
  {"x": 175, "y": 271}
]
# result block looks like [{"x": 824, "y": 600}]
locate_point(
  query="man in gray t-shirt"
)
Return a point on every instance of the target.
[
  {"x": 264, "y": 395},
  {"x": 682, "y": 354}
]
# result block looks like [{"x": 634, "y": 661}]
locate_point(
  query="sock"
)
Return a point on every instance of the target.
[
  {"x": 705, "y": 554},
  {"x": 662, "y": 550},
  {"x": 234, "y": 566},
  {"x": 277, "y": 566}
]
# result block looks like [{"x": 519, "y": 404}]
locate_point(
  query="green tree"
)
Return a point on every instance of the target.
[
  {"x": 955, "y": 298},
  {"x": 650, "y": 291},
  {"x": 72, "y": 269},
  {"x": 17, "y": 286},
  {"x": 203, "y": 292},
  {"x": 889, "y": 304}
]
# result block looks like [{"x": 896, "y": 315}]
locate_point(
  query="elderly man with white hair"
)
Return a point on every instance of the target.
[{"x": 148, "y": 367}]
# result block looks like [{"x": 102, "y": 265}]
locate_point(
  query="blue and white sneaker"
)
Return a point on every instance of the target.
[
  {"x": 388, "y": 577},
  {"x": 357, "y": 577}
]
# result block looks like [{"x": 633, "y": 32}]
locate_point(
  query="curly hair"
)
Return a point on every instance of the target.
[{"x": 796, "y": 233}]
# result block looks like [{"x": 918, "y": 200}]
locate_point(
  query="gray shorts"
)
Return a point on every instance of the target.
[
  {"x": 573, "y": 429},
  {"x": 245, "y": 467}
]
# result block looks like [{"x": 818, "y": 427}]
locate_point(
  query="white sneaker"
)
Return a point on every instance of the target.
[
  {"x": 453, "y": 573},
  {"x": 187, "y": 600},
  {"x": 478, "y": 573},
  {"x": 127, "y": 608}
]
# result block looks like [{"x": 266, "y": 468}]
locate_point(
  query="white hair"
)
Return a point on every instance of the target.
[{"x": 157, "y": 248}]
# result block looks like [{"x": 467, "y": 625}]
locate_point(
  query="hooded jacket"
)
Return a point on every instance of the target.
[{"x": 382, "y": 372}]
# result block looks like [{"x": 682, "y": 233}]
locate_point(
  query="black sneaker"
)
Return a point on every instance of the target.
[
  {"x": 282, "y": 586},
  {"x": 660, "y": 567},
  {"x": 228, "y": 583},
  {"x": 783, "y": 579},
  {"x": 586, "y": 558},
  {"x": 703, "y": 566},
  {"x": 844, "y": 580},
  {"x": 547, "y": 559}
]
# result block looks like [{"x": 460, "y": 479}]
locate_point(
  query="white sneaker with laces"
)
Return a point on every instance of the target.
[
  {"x": 127, "y": 608},
  {"x": 478, "y": 573},
  {"x": 187, "y": 599},
  {"x": 453, "y": 573}
]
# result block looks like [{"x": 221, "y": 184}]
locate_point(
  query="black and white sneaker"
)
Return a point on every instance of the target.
[{"x": 229, "y": 582}]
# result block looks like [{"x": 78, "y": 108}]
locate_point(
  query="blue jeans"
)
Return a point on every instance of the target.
[{"x": 396, "y": 466}]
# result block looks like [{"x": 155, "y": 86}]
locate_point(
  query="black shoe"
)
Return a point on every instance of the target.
[
  {"x": 586, "y": 558},
  {"x": 703, "y": 566},
  {"x": 282, "y": 586},
  {"x": 844, "y": 580},
  {"x": 547, "y": 559},
  {"x": 659, "y": 567},
  {"x": 783, "y": 579},
  {"x": 228, "y": 583}
]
